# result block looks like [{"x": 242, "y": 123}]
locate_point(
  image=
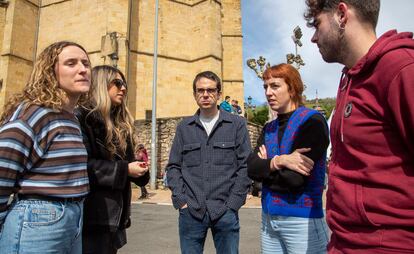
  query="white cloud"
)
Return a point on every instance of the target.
[{"x": 268, "y": 25}]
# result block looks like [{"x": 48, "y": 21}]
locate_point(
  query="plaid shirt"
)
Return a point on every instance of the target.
[{"x": 209, "y": 173}]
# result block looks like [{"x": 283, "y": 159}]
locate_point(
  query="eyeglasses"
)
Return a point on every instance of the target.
[
  {"x": 201, "y": 91},
  {"x": 119, "y": 83}
]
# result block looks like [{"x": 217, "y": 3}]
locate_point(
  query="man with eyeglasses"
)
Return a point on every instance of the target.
[{"x": 207, "y": 171}]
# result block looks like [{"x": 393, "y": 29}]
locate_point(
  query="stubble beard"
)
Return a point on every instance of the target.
[{"x": 333, "y": 50}]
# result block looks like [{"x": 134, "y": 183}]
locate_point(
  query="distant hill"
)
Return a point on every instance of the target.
[{"x": 327, "y": 104}]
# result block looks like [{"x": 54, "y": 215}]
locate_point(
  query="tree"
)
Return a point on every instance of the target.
[{"x": 259, "y": 115}]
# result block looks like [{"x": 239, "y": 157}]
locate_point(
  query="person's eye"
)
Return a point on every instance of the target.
[{"x": 87, "y": 64}]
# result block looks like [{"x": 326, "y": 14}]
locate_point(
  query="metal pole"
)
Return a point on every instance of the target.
[{"x": 154, "y": 105}]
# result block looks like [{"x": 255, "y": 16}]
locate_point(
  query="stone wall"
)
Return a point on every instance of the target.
[{"x": 165, "y": 134}]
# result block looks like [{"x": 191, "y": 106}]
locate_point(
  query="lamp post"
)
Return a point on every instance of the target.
[
  {"x": 249, "y": 106},
  {"x": 261, "y": 62},
  {"x": 253, "y": 63},
  {"x": 296, "y": 58}
]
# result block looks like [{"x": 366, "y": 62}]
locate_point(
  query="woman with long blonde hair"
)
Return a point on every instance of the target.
[
  {"x": 109, "y": 136},
  {"x": 43, "y": 160}
]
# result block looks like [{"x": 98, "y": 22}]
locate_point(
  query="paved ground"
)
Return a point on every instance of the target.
[
  {"x": 154, "y": 230},
  {"x": 163, "y": 197},
  {"x": 154, "y": 227}
]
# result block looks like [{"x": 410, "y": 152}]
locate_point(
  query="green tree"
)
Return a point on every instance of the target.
[{"x": 259, "y": 115}]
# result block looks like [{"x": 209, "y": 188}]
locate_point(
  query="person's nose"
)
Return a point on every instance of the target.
[
  {"x": 83, "y": 68},
  {"x": 314, "y": 38},
  {"x": 268, "y": 91}
]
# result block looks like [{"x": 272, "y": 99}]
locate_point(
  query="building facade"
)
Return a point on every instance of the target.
[{"x": 193, "y": 36}]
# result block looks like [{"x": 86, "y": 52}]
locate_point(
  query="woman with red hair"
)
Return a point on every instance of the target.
[{"x": 290, "y": 159}]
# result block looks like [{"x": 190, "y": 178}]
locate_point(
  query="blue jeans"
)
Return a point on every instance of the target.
[
  {"x": 35, "y": 226},
  {"x": 193, "y": 232},
  {"x": 293, "y": 235}
]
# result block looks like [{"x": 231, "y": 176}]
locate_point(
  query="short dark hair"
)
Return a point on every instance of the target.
[
  {"x": 227, "y": 97},
  {"x": 367, "y": 10},
  {"x": 209, "y": 75}
]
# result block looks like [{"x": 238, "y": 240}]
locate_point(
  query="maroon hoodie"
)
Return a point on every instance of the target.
[{"x": 370, "y": 200}]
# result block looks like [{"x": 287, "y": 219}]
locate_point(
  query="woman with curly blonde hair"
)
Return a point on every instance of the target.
[
  {"x": 43, "y": 160},
  {"x": 109, "y": 136}
]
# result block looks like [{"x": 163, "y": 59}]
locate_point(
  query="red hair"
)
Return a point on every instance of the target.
[{"x": 292, "y": 78}]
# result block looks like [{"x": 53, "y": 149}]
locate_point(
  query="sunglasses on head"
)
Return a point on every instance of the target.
[{"x": 119, "y": 83}]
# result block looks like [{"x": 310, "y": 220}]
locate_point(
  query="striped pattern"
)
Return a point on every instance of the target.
[{"x": 42, "y": 152}]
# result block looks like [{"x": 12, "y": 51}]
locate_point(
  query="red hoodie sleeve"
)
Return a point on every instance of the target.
[{"x": 401, "y": 104}]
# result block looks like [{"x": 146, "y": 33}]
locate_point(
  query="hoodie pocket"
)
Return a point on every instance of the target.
[
  {"x": 346, "y": 203},
  {"x": 360, "y": 202}
]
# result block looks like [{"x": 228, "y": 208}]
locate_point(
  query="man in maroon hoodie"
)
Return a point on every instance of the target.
[{"x": 370, "y": 200}]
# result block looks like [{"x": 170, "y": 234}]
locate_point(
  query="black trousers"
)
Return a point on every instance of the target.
[{"x": 103, "y": 242}]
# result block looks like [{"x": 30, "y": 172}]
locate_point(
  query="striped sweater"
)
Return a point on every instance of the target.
[{"x": 42, "y": 153}]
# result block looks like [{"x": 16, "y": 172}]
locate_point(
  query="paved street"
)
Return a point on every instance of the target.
[{"x": 154, "y": 230}]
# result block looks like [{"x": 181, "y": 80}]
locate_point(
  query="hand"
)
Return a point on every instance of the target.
[
  {"x": 184, "y": 206},
  {"x": 295, "y": 161},
  {"x": 137, "y": 169},
  {"x": 262, "y": 152}
]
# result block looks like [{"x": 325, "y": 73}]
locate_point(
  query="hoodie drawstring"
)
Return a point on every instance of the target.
[{"x": 347, "y": 86}]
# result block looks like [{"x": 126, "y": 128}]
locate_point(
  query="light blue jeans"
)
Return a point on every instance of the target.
[
  {"x": 35, "y": 226},
  {"x": 293, "y": 235}
]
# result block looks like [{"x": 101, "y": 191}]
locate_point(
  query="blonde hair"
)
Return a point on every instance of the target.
[
  {"x": 42, "y": 88},
  {"x": 119, "y": 123}
]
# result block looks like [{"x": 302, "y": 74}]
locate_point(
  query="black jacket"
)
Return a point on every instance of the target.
[{"x": 108, "y": 205}]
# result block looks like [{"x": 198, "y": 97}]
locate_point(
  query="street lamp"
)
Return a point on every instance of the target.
[
  {"x": 249, "y": 106},
  {"x": 296, "y": 58},
  {"x": 261, "y": 62}
]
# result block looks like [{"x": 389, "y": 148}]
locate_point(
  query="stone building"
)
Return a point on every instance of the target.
[{"x": 194, "y": 35}]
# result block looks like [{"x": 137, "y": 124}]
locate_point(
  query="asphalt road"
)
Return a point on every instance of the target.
[{"x": 154, "y": 230}]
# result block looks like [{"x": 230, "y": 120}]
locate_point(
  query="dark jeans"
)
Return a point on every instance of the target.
[{"x": 193, "y": 232}]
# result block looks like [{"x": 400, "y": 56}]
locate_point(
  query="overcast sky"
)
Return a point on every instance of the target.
[{"x": 267, "y": 29}]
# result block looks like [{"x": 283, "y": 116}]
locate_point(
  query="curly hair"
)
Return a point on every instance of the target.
[
  {"x": 42, "y": 87},
  {"x": 119, "y": 123},
  {"x": 367, "y": 10}
]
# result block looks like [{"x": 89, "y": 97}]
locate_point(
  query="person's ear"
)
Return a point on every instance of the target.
[{"x": 342, "y": 14}]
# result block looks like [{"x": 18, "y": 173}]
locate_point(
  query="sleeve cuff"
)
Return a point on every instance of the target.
[
  {"x": 178, "y": 201},
  {"x": 236, "y": 201}
]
